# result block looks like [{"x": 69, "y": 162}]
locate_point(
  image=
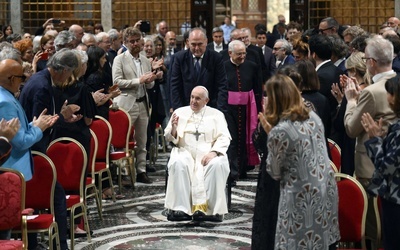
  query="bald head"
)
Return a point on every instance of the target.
[
  {"x": 77, "y": 30},
  {"x": 11, "y": 74}
]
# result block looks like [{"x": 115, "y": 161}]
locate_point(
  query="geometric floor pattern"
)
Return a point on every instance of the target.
[{"x": 139, "y": 220}]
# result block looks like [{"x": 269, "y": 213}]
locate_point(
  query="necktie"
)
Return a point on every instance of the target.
[{"x": 197, "y": 67}]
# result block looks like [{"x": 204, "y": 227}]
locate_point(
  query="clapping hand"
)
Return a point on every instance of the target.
[
  {"x": 44, "y": 121},
  {"x": 373, "y": 129},
  {"x": 9, "y": 129},
  {"x": 264, "y": 123}
]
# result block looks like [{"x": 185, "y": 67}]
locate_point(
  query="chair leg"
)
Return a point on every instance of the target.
[
  {"x": 54, "y": 235},
  {"x": 86, "y": 222},
  {"x": 98, "y": 202}
]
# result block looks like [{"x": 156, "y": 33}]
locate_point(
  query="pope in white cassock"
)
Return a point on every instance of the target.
[{"x": 198, "y": 167}]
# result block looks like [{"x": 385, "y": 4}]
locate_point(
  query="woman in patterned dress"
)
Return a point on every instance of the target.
[{"x": 297, "y": 156}]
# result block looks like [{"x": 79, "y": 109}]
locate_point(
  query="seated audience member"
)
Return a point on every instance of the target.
[
  {"x": 384, "y": 152},
  {"x": 293, "y": 158},
  {"x": 198, "y": 167}
]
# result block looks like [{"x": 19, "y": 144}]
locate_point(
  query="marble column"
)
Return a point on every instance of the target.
[
  {"x": 16, "y": 16},
  {"x": 106, "y": 14}
]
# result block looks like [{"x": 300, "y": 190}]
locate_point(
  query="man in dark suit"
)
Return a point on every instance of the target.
[
  {"x": 246, "y": 40},
  {"x": 328, "y": 73},
  {"x": 283, "y": 53},
  {"x": 218, "y": 40},
  {"x": 38, "y": 95},
  {"x": 198, "y": 66},
  {"x": 269, "y": 58}
]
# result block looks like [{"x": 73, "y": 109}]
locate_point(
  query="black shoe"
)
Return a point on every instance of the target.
[
  {"x": 201, "y": 216},
  {"x": 150, "y": 169},
  {"x": 178, "y": 216},
  {"x": 126, "y": 182},
  {"x": 143, "y": 178}
]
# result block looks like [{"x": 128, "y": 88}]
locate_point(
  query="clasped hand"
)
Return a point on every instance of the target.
[{"x": 68, "y": 112}]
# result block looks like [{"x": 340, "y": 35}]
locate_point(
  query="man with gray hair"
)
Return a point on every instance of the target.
[
  {"x": 38, "y": 95},
  {"x": 328, "y": 26},
  {"x": 89, "y": 40},
  {"x": 244, "y": 102},
  {"x": 283, "y": 53},
  {"x": 373, "y": 100},
  {"x": 115, "y": 40},
  {"x": 64, "y": 39}
]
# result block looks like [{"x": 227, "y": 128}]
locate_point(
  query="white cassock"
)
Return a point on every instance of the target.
[{"x": 192, "y": 186}]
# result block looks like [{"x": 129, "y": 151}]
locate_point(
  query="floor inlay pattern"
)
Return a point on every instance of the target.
[{"x": 139, "y": 221}]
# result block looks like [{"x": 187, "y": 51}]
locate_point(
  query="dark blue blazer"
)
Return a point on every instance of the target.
[
  {"x": 37, "y": 95},
  {"x": 212, "y": 76}
]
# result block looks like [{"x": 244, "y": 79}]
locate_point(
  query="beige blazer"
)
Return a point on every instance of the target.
[
  {"x": 124, "y": 74},
  {"x": 373, "y": 100}
]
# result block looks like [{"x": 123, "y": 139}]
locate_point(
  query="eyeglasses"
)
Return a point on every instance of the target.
[
  {"x": 276, "y": 48},
  {"x": 241, "y": 53},
  {"x": 322, "y": 30},
  {"x": 22, "y": 77},
  {"x": 365, "y": 59}
]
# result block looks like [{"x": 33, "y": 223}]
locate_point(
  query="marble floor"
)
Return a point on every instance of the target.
[{"x": 139, "y": 221}]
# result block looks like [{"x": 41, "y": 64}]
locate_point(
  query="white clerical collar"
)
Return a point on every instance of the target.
[
  {"x": 379, "y": 76},
  {"x": 319, "y": 66},
  {"x": 234, "y": 62}
]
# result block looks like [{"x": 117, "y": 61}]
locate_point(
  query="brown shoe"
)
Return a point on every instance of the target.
[{"x": 143, "y": 178}]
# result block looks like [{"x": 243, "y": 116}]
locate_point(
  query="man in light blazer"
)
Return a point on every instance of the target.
[
  {"x": 11, "y": 77},
  {"x": 372, "y": 100},
  {"x": 134, "y": 74}
]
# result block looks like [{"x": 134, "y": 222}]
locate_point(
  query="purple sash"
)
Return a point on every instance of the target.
[{"x": 248, "y": 99}]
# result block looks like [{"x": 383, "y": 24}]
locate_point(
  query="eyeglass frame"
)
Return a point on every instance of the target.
[
  {"x": 22, "y": 77},
  {"x": 365, "y": 59},
  {"x": 320, "y": 31}
]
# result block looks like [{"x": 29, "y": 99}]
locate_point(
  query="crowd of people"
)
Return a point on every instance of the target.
[{"x": 227, "y": 106}]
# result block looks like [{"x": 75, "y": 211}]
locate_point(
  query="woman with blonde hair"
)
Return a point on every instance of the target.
[
  {"x": 298, "y": 158},
  {"x": 357, "y": 72}
]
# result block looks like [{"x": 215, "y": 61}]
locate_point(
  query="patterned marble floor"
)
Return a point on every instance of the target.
[{"x": 139, "y": 220}]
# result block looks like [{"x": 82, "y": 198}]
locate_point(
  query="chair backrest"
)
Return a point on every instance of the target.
[
  {"x": 70, "y": 159},
  {"x": 93, "y": 152},
  {"x": 336, "y": 153},
  {"x": 333, "y": 166},
  {"x": 12, "y": 198},
  {"x": 102, "y": 128},
  {"x": 121, "y": 125},
  {"x": 352, "y": 209},
  {"x": 40, "y": 189}
]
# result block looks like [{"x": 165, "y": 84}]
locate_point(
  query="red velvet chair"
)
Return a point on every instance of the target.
[
  {"x": 40, "y": 196},
  {"x": 70, "y": 160},
  {"x": 12, "y": 207},
  {"x": 91, "y": 188},
  {"x": 352, "y": 211},
  {"x": 121, "y": 125},
  {"x": 102, "y": 129},
  {"x": 336, "y": 153}
]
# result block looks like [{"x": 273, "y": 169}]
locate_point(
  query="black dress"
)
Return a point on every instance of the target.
[
  {"x": 96, "y": 81},
  {"x": 76, "y": 94},
  {"x": 267, "y": 200}
]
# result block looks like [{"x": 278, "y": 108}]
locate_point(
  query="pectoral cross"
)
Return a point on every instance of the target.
[{"x": 197, "y": 134}]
